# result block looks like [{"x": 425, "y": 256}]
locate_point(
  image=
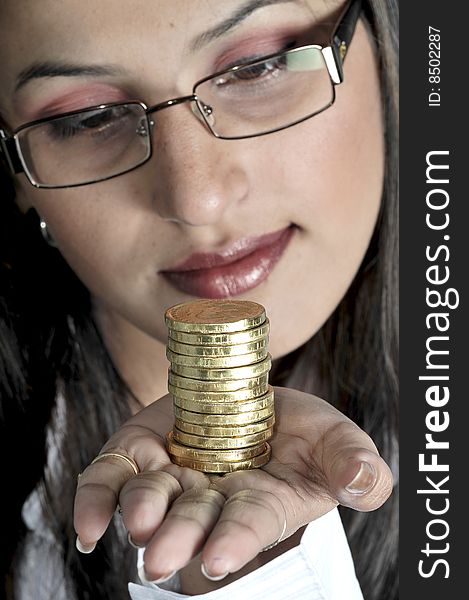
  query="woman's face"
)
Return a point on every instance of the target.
[{"x": 283, "y": 219}]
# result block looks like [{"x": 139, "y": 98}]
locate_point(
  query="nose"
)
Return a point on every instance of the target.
[{"x": 197, "y": 179}]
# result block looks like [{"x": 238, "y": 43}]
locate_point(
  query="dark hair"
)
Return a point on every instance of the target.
[{"x": 50, "y": 348}]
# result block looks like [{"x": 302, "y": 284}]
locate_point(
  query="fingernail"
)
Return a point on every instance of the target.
[
  {"x": 83, "y": 548},
  {"x": 363, "y": 481},
  {"x": 212, "y": 577},
  {"x": 132, "y": 543},
  {"x": 162, "y": 579}
]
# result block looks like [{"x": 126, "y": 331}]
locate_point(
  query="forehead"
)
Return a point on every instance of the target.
[
  {"x": 127, "y": 32},
  {"x": 51, "y": 25}
]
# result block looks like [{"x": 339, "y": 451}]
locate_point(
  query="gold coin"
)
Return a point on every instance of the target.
[
  {"x": 226, "y": 408},
  {"x": 239, "y": 373},
  {"x": 215, "y": 316},
  {"x": 225, "y": 467},
  {"x": 243, "y": 418},
  {"x": 221, "y": 443},
  {"x": 220, "y": 339},
  {"x": 218, "y": 397},
  {"x": 215, "y": 351},
  {"x": 187, "y": 383},
  {"x": 176, "y": 449},
  {"x": 231, "y": 431},
  {"x": 216, "y": 362}
]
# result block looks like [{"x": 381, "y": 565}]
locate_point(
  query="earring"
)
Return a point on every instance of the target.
[{"x": 46, "y": 234}]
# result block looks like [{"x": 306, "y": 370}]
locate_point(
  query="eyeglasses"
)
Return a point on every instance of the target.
[{"x": 248, "y": 100}]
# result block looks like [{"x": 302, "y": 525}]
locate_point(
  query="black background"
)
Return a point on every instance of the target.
[{"x": 424, "y": 129}]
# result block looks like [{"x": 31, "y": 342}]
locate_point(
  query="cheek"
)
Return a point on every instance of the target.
[
  {"x": 328, "y": 181},
  {"x": 96, "y": 232},
  {"x": 331, "y": 167}
]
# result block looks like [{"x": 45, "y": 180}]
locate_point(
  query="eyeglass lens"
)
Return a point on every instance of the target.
[
  {"x": 86, "y": 146},
  {"x": 250, "y": 100},
  {"x": 267, "y": 95}
]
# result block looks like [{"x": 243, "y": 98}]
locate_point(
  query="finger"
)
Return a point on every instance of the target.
[
  {"x": 100, "y": 483},
  {"x": 190, "y": 519},
  {"x": 145, "y": 499},
  {"x": 250, "y": 521},
  {"x": 96, "y": 499},
  {"x": 357, "y": 476}
]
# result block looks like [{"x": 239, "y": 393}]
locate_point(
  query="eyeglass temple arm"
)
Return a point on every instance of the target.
[
  {"x": 9, "y": 153},
  {"x": 343, "y": 34}
]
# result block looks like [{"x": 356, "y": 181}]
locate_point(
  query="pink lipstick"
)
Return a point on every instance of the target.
[{"x": 239, "y": 268}]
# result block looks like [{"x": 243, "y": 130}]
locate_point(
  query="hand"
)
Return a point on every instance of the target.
[{"x": 319, "y": 459}]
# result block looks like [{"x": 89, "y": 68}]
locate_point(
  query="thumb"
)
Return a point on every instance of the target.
[{"x": 359, "y": 478}]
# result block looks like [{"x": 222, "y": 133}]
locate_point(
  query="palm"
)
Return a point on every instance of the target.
[
  {"x": 315, "y": 451},
  {"x": 295, "y": 473}
]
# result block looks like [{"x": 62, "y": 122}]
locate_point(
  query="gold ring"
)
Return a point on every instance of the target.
[
  {"x": 278, "y": 540},
  {"x": 128, "y": 460},
  {"x": 246, "y": 493},
  {"x": 284, "y": 528}
]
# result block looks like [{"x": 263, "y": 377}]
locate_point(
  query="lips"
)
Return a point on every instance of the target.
[{"x": 235, "y": 270}]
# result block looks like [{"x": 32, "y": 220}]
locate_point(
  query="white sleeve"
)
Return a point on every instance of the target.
[{"x": 320, "y": 568}]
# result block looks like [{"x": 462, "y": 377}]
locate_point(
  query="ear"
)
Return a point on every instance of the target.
[
  {"x": 22, "y": 198},
  {"x": 13, "y": 189}
]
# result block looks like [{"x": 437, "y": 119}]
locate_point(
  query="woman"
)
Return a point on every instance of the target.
[{"x": 302, "y": 220}]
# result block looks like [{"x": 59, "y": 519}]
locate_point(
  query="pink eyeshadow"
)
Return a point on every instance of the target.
[{"x": 80, "y": 96}]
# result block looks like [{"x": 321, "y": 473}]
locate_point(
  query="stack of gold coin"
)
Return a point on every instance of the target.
[{"x": 218, "y": 378}]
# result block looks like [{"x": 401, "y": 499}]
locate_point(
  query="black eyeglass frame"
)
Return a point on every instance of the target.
[{"x": 334, "y": 56}]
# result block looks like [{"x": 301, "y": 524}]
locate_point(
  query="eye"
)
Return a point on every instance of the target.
[
  {"x": 260, "y": 70},
  {"x": 97, "y": 122},
  {"x": 255, "y": 72}
]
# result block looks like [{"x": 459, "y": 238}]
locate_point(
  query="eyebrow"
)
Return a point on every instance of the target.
[
  {"x": 240, "y": 15},
  {"x": 52, "y": 69},
  {"x": 60, "y": 69}
]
